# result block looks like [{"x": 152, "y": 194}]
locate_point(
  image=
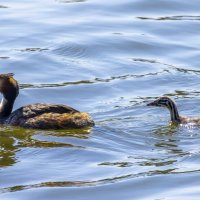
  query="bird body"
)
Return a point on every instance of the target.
[
  {"x": 190, "y": 120},
  {"x": 39, "y": 115},
  {"x": 174, "y": 114}
]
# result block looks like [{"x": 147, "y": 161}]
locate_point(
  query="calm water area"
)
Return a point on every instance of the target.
[{"x": 109, "y": 58}]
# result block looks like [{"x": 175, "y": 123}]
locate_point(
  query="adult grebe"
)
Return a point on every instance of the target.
[
  {"x": 39, "y": 115},
  {"x": 171, "y": 106}
]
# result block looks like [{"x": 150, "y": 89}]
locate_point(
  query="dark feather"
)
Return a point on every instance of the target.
[{"x": 33, "y": 110}]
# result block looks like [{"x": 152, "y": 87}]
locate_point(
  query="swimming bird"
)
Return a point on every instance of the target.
[
  {"x": 38, "y": 115},
  {"x": 171, "y": 106}
]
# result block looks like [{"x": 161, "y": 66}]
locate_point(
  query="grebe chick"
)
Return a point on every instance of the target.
[
  {"x": 171, "y": 106},
  {"x": 39, "y": 115}
]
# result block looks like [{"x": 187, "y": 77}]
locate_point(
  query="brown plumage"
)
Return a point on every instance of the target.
[{"x": 39, "y": 115}]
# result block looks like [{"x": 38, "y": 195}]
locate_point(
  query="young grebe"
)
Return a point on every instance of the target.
[
  {"x": 171, "y": 106},
  {"x": 39, "y": 115}
]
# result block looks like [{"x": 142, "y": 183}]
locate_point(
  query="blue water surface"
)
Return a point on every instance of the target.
[{"x": 108, "y": 58}]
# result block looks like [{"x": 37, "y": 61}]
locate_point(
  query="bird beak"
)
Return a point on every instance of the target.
[{"x": 154, "y": 103}]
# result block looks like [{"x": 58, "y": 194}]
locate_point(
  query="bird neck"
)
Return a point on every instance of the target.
[
  {"x": 6, "y": 107},
  {"x": 175, "y": 118}
]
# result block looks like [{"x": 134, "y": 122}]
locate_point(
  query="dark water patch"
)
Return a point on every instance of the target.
[
  {"x": 47, "y": 184},
  {"x": 184, "y": 94},
  {"x": 23, "y": 86},
  {"x": 171, "y": 18},
  {"x": 116, "y": 164},
  {"x": 83, "y": 184},
  {"x": 1, "y": 6},
  {"x": 179, "y": 69},
  {"x": 33, "y": 49},
  {"x": 42, "y": 144},
  {"x": 71, "y": 1},
  {"x": 96, "y": 80},
  {"x": 4, "y": 57}
]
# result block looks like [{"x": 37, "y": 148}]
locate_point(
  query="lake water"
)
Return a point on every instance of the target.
[{"x": 108, "y": 58}]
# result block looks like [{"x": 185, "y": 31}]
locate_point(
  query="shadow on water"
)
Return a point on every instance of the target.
[{"x": 12, "y": 140}]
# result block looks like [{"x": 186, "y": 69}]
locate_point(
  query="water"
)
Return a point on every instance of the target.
[{"x": 108, "y": 58}]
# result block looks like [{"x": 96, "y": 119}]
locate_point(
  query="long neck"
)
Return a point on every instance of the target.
[
  {"x": 6, "y": 107},
  {"x": 174, "y": 112}
]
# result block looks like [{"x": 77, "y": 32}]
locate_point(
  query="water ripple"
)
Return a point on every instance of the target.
[
  {"x": 70, "y": 50},
  {"x": 33, "y": 49},
  {"x": 171, "y": 18},
  {"x": 96, "y": 80},
  {"x": 71, "y": 1},
  {"x": 179, "y": 69},
  {"x": 91, "y": 183}
]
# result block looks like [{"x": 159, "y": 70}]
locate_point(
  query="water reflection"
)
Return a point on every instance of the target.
[
  {"x": 166, "y": 130},
  {"x": 167, "y": 140},
  {"x": 165, "y": 144},
  {"x": 77, "y": 133},
  {"x": 7, "y": 151},
  {"x": 12, "y": 140},
  {"x": 9, "y": 141}
]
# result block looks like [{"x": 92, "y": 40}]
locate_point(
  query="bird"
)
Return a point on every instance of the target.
[
  {"x": 176, "y": 119},
  {"x": 38, "y": 115}
]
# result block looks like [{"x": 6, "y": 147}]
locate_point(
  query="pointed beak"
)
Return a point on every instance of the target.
[{"x": 154, "y": 103}]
